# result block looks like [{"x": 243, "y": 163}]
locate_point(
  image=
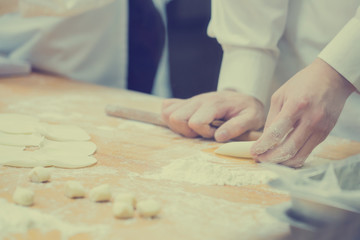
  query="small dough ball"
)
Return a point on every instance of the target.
[
  {"x": 39, "y": 174},
  {"x": 74, "y": 189},
  {"x": 23, "y": 196},
  {"x": 100, "y": 193},
  {"x": 123, "y": 210},
  {"x": 148, "y": 208},
  {"x": 126, "y": 198}
]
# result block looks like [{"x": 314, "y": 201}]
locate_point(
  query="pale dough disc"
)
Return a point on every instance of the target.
[
  {"x": 71, "y": 161},
  {"x": 76, "y": 148},
  {"x": 236, "y": 149},
  {"x": 20, "y": 139},
  {"x": 26, "y": 159},
  {"x": 63, "y": 132},
  {"x": 17, "y": 123}
]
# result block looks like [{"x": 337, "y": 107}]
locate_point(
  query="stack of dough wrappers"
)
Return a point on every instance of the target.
[{"x": 27, "y": 142}]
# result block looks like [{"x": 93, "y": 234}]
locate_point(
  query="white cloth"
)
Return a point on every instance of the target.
[
  {"x": 266, "y": 42},
  {"x": 91, "y": 46}
]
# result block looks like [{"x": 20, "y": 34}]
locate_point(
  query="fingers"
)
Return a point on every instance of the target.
[
  {"x": 298, "y": 160},
  {"x": 282, "y": 125},
  {"x": 237, "y": 126},
  {"x": 177, "y": 116},
  {"x": 288, "y": 148},
  {"x": 297, "y": 146}
]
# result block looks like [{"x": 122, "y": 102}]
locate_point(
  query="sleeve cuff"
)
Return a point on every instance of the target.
[
  {"x": 343, "y": 52},
  {"x": 249, "y": 71}
]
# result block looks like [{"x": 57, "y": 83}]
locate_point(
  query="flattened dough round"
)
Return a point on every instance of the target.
[
  {"x": 63, "y": 132},
  {"x": 236, "y": 149},
  {"x": 17, "y": 123},
  {"x": 27, "y": 159},
  {"x": 20, "y": 139},
  {"x": 79, "y": 148}
]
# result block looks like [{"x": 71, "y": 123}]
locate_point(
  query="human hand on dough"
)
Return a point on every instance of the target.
[
  {"x": 302, "y": 113},
  {"x": 192, "y": 117}
]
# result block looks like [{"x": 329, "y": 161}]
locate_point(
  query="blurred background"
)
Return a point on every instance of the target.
[{"x": 194, "y": 57}]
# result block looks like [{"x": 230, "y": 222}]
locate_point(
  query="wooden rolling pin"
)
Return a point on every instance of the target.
[{"x": 155, "y": 118}]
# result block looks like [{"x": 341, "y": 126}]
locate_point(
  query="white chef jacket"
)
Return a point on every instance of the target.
[
  {"x": 266, "y": 42},
  {"x": 91, "y": 46}
]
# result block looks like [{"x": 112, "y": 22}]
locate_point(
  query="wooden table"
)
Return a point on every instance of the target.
[{"x": 127, "y": 151}]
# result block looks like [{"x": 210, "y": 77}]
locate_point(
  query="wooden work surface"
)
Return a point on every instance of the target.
[{"x": 127, "y": 151}]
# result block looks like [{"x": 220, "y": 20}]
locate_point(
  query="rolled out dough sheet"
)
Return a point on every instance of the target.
[
  {"x": 63, "y": 132},
  {"x": 236, "y": 149},
  {"x": 84, "y": 148},
  {"x": 17, "y": 123},
  {"x": 21, "y": 140}
]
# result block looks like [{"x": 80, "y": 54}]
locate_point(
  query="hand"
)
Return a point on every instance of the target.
[
  {"x": 302, "y": 113},
  {"x": 192, "y": 117}
]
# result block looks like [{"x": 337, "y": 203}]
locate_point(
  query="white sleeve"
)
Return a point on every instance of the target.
[
  {"x": 343, "y": 52},
  {"x": 248, "y": 32}
]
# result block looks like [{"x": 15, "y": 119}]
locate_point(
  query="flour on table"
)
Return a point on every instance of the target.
[
  {"x": 16, "y": 219},
  {"x": 205, "y": 169}
]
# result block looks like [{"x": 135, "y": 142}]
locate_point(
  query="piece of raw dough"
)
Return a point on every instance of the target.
[
  {"x": 17, "y": 123},
  {"x": 27, "y": 159},
  {"x": 39, "y": 174},
  {"x": 100, "y": 193},
  {"x": 70, "y": 161},
  {"x": 63, "y": 132},
  {"x": 148, "y": 208},
  {"x": 236, "y": 149},
  {"x": 21, "y": 140},
  {"x": 74, "y": 189},
  {"x": 23, "y": 196},
  {"x": 126, "y": 198},
  {"x": 123, "y": 210},
  {"x": 76, "y": 148}
]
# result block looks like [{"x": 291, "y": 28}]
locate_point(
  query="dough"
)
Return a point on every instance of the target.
[
  {"x": 22, "y": 159},
  {"x": 100, "y": 193},
  {"x": 39, "y": 174},
  {"x": 74, "y": 189},
  {"x": 63, "y": 132},
  {"x": 23, "y": 196},
  {"x": 70, "y": 161},
  {"x": 17, "y": 123},
  {"x": 77, "y": 148},
  {"x": 20, "y": 139},
  {"x": 72, "y": 151},
  {"x": 126, "y": 198},
  {"x": 148, "y": 208},
  {"x": 123, "y": 210},
  {"x": 236, "y": 149}
]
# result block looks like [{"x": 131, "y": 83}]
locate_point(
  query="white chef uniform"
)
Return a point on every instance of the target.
[{"x": 266, "y": 42}]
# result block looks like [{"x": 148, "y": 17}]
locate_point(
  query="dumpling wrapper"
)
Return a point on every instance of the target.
[
  {"x": 18, "y": 123},
  {"x": 236, "y": 149},
  {"x": 72, "y": 161},
  {"x": 27, "y": 159},
  {"x": 63, "y": 132},
  {"x": 78, "y": 148},
  {"x": 21, "y": 140}
]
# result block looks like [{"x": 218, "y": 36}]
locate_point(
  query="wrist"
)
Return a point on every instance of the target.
[{"x": 334, "y": 77}]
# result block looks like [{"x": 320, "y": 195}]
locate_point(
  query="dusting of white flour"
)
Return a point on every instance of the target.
[
  {"x": 18, "y": 219},
  {"x": 204, "y": 169}
]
